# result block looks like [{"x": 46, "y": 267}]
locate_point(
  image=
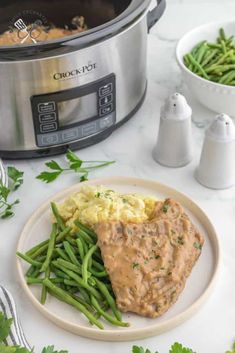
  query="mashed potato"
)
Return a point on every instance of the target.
[{"x": 94, "y": 204}]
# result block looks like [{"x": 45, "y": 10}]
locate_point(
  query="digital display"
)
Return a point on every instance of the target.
[
  {"x": 74, "y": 114},
  {"x": 77, "y": 110}
]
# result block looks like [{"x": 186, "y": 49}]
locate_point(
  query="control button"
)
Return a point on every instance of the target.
[
  {"x": 103, "y": 91},
  {"x": 106, "y": 110},
  {"x": 106, "y": 122},
  {"x": 48, "y": 140},
  {"x": 70, "y": 135},
  {"x": 89, "y": 129},
  {"x": 48, "y": 127},
  {"x": 106, "y": 100},
  {"x": 44, "y": 118},
  {"x": 46, "y": 107}
]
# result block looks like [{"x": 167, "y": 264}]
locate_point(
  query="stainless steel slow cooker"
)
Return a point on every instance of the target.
[{"x": 72, "y": 92}]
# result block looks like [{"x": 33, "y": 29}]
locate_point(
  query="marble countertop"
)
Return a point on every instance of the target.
[{"x": 212, "y": 329}]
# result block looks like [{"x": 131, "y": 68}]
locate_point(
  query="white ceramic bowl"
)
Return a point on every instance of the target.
[{"x": 217, "y": 97}]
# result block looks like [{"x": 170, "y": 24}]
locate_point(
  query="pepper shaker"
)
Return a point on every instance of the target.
[
  {"x": 174, "y": 146},
  {"x": 217, "y": 164}
]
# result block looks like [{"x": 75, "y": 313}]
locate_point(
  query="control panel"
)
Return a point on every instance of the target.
[{"x": 74, "y": 114}]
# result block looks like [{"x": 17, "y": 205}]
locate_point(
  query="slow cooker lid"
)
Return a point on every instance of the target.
[{"x": 104, "y": 18}]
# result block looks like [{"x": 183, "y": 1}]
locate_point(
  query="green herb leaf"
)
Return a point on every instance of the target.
[
  {"x": 197, "y": 246},
  {"x": 178, "y": 348},
  {"x": 7, "y": 214},
  {"x": 233, "y": 349},
  {"x": 50, "y": 349},
  {"x": 136, "y": 349},
  {"x": 16, "y": 179},
  {"x": 74, "y": 165},
  {"x": 53, "y": 165},
  {"x": 165, "y": 208},
  {"x": 135, "y": 265},
  {"x": 181, "y": 240},
  {"x": 8, "y": 349},
  {"x": 75, "y": 161},
  {"x": 16, "y": 176},
  {"x": 22, "y": 350},
  {"x": 48, "y": 177},
  {"x": 4, "y": 192},
  {"x": 5, "y": 326},
  {"x": 84, "y": 177}
]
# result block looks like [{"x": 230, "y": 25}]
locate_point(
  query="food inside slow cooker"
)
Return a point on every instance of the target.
[{"x": 37, "y": 32}]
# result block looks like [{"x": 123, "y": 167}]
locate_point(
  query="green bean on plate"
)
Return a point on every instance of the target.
[{"x": 69, "y": 267}]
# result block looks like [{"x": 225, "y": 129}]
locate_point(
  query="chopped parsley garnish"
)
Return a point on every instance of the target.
[
  {"x": 155, "y": 243},
  {"x": 165, "y": 208},
  {"x": 181, "y": 240},
  {"x": 197, "y": 246},
  {"x": 105, "y": 194},
  {"x": 135, "y": 265}
]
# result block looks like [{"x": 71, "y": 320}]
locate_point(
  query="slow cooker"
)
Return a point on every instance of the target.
[{"x": 74, "y": 91}]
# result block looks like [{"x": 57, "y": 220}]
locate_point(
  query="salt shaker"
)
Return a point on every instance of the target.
[
  {"x": 174, "y": 146},
  {"x": 217, "y": 165}
]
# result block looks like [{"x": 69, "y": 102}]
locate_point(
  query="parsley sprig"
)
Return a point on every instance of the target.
[
  {"x": 74, "y": 164},
  {"x": 5, "y": 327},
  {"x": 175, "y": 348},
  {"x": 15, "y": 180},
  {"x": 233, "y": 349}
]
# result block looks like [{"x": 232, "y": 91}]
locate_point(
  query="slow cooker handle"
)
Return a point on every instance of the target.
[{"x": 155, "y": 14}]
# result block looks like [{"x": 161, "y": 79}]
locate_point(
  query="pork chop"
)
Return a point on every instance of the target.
[{"x": 148, "y": 263}]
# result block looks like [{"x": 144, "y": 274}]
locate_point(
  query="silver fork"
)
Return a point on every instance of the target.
[
  {"x": 3, "y": 175},
  {"x": 21, "y": 26}
]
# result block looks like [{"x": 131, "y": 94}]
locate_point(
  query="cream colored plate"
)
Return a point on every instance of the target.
[{"x": 198, "y": 288}]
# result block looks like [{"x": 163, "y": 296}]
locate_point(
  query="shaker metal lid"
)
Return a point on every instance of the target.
[{"x": 3, "y": 174}]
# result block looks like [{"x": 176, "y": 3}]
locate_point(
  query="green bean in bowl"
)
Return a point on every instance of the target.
[
  {"x": 206, "y": 57},
  {"x": 214, "y": 61},
  {"x": 69, "y": 267}
]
